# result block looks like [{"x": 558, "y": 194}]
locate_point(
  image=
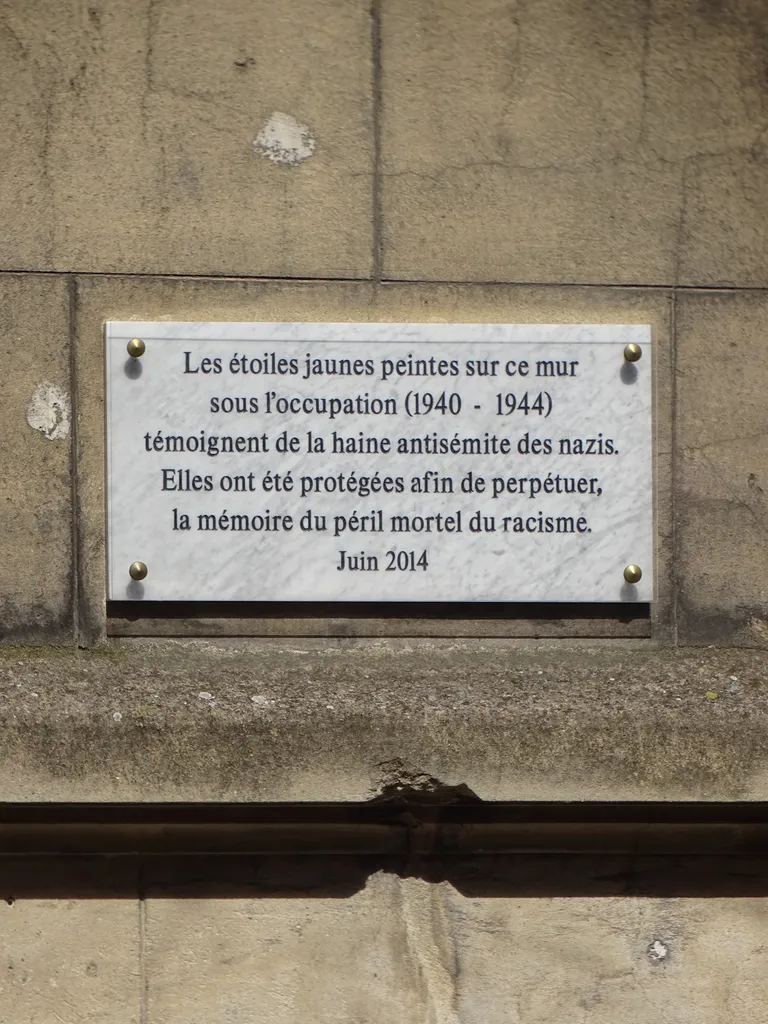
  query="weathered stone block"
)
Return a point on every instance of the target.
[
  {"x": 187, "y": 139},
  {"x": 724, "y": 236},
  {"x": 68, "y": 959},
  {"x": 310, "y": 719},
  {"x": 37, "y": 582},
  {"x": 406, "y": 951},
  {"x": 606, "y": 959},
  {"x": 721, "y": 459},
  {"x": 294, "y": 960},
  {"x": 560, "y": 141}
]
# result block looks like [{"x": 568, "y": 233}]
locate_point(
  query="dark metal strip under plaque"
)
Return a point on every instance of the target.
[{"x": 433, "y": 619}]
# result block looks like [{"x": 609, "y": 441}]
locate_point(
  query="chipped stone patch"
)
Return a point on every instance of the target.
[
  {"x": 48, "y": 411},
  {"x": 658, "y": 951},
  {"x": 284, "y": 140}
]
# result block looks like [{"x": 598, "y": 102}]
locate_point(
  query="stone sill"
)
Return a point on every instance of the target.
[{"x": 319, "y": 720}]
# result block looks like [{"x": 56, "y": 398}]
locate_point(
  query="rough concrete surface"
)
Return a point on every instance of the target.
[
  {"x": 342, "y": 720},
  {"x": 722, "y": 468},
  {"x": 297, "y": 944},
  {"x": 131, "y": 130},
  {"x": 65, "y": 960},
  {"x": 36, "y": 583},
  {"x": 610, "y": 141},
  {"x": 403, "y": 951},
  {"x": 563, "y": 141}
]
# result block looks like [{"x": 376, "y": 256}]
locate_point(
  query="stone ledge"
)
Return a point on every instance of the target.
[{"x": 344, "y": 720}]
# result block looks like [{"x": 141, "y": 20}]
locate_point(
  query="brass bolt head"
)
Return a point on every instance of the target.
[
  {"x": 632, "y": 352},
  {"x": 138, "y": 571},
  {"x": 633, "y": 574},
  {"x": 136, "y": 347}
]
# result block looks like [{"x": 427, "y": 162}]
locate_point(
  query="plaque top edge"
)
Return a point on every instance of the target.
[{"x": 408, "y": 333}]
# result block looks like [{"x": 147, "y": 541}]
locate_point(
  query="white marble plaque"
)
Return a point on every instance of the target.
[{"x": 379, "y": 462}]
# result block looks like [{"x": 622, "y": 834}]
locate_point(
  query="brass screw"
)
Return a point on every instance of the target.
[
  {"x": 136, "y": 347},
  {"x": 632, "y": 574},
  {"x": 138, "y": 571},
  {"x": 632, "y": 352}
]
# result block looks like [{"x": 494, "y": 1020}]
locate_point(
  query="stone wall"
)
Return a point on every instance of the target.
[
  {"x": 420, "y": 160},
  {"x": 561, "y": 161},
  {"x": 395, "y": 951}
]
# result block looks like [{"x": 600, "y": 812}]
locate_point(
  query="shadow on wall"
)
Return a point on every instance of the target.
[
  {"x": 533, "y": 876},
  {"x": 416, "y": 828}
]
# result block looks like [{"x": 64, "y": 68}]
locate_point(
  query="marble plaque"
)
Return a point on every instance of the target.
[{"x": 378, "y": 462}]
